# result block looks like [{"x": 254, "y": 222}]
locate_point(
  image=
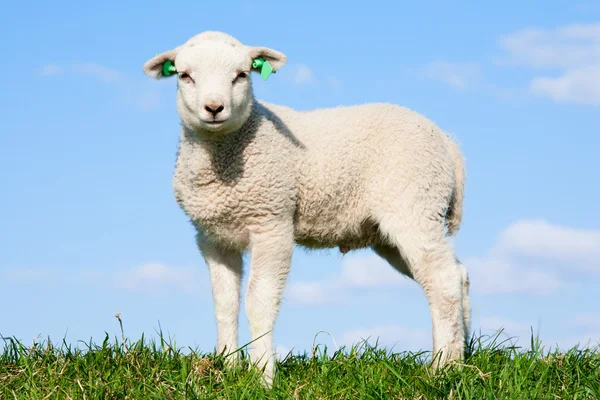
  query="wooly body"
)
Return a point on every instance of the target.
[{"x": 261, "y": 177}]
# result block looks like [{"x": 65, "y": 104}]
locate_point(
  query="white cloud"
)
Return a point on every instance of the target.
[
  {"x": 302, "y": 74},
  {"x": 587, "y": 322},
  {"x": 586, "y": 331},
  {"x": 563, "y": 47},
  {"x": 366, "y": 271},
  {"x": 534, "y": 256},
  {"x": 569, "y": 56},
  {"x": 97, "y": 71},
  {"x": 144, "y": 97},
  {"x": 461, "y": 76},
  {"x": 28, "y": 274},
  {"x": 140, "y": 96},
  {"x": 398, "y": 337},
  {"x": 573, "y": 50},
  {"x": 156, "y": 279},
  {"x": 499, "y": 274},
  {"x": 579, "y": 248},
  {"x": 335, "y": 82},
  {"x": 577, "y": 85},
  {"x": 149, "y": 278},
  {"x": 101, "y": 72},
  {"x": 145, "y": 100},
  {"x": 50, "y": 69},
  {"x": 313, "y": 293}
]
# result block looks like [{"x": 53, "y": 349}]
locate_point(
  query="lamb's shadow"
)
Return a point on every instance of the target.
[
  {"x": 227, "y": 156},
  {"x": 281, "y": 127}
]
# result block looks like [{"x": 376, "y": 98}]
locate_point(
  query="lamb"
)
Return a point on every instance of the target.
[{"x": 259, "y": 177}]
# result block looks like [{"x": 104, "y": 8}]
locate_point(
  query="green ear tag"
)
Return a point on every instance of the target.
[
  {"x": 265, "y": 68},
  {"x": 168, "y": 68}
]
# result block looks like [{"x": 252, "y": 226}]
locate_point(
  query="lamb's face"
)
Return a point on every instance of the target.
[
  {"x": 214, "y": 89},
  {"x": 214, "y": 93}
]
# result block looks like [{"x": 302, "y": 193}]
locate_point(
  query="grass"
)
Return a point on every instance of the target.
[{"x": 158, "y": 370}]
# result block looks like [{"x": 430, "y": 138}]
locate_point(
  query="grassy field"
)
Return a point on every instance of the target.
[{"x": 157, "y": 370}]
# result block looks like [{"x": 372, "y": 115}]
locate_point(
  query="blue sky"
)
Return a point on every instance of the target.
[{"x": 90, "y": 226}]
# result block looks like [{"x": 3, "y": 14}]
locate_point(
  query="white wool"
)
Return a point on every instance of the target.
[{"x": 262, "y": 177}]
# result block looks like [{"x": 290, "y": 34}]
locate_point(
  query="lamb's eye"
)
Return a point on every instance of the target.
[
  {"x": 241, "y": 75},
  {"x": 185, "y": 77}
]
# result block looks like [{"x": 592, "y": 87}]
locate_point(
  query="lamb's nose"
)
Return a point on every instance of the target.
[{"x": 214, "y": 107}]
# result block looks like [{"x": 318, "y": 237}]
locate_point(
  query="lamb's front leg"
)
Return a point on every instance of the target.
[
  {"x": 271, "y": 258},
  {"x": 225, "y": 268}
]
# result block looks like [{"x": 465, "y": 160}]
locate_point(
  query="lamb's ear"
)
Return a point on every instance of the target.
[
  {"x": 154, "y": 66},
  {"x": 275, "y": 58}
]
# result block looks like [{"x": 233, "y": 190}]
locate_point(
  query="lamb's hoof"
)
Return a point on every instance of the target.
[{"x": 344, "y": 249}]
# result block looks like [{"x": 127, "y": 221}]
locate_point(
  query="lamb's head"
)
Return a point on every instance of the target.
[{"x": 214, "y": 90}]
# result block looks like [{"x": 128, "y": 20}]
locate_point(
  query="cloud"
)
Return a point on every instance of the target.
[
  {"x": 302, "y": 74},
  {"x": 312, "y": 293},
  {"x": 100, "y": 72},
  {"x": 150, "y": 278},
  {"x": 564, "y": 61},
  {"x": 497, "y": 274},
  {"x": 398, "y": 337},
  {"x": 131, "y": 92},
  {"x": 366, "y": 271},
  {"x": 156, "y": 279},
  {"x": 465, "y": 76},
  {"x": 97, "y": 71},
  {"x": 50, "y": 69},
  {"x": 28, "y": 274},
  {"x": 578, "y": 86},
  {"x": 563, "y": 47},
  {"x": 143, "y": 97},
  {"x": 587, "y": 322},
  {"x": 535, "y": 257},
  {"x": 461, "y": 76},
  {"x": 572, "y": 50},
  {"x": 334, "y": 82},
  {"x": 577, "y": 248},
  {"x": 587, "y": 331}
]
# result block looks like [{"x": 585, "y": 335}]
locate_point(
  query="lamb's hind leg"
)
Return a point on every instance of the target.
[
  {"x": 394, "y": 258},
  {"x": 431, "y": 262},
  {"x": 466, "y": 303}
]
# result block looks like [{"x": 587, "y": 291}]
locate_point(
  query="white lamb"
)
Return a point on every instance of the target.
[{"x": 261, "y": 177}]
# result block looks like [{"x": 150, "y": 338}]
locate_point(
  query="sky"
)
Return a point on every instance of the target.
[{"x": 90, "y": 227}]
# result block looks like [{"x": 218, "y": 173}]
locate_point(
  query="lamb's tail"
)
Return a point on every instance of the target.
[{"x": 455, "y": 209}]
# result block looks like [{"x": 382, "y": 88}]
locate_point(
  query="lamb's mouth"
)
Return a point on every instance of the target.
[{"x": 214, "y": 122}]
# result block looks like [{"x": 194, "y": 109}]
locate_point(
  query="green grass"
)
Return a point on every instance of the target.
[{"x": 157, "y": 370}]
